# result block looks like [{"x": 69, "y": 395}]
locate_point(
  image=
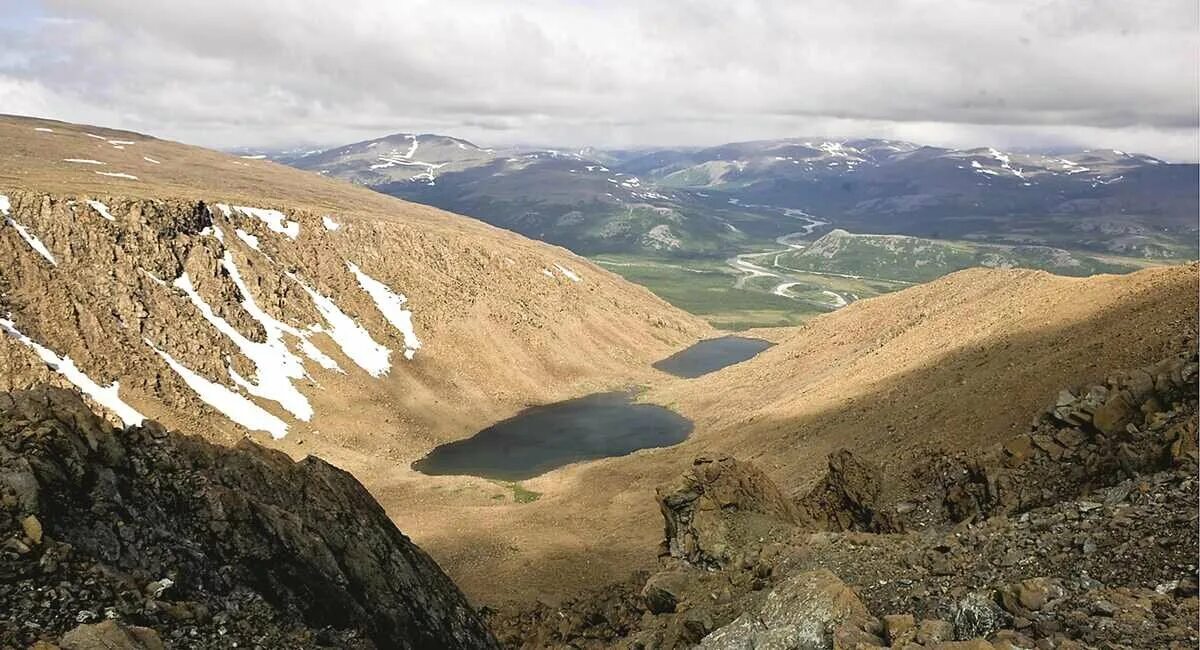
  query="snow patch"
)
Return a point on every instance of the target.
[
  {"x": 43, "y": 129},
  {"x": 151, "y": 160},
  {"x": 355, "y": 341},
  {"x": 330, "y": 224},
  {"x": 391, "y": 305},
  {"x": 31, "y": 239},
  {"x": 275, "y": 365},
  {"x": 119, "y": 175},
  {"x": 106, "y": 396},
  {"x": 101, "y": 209},
  {"x": 84, "y": 161},
  {"x": 233, "y": 406},
  {"x": 274, "y": 219},
  {"x": 246, "y": 237},
  {"x": 571, "y": 275}
]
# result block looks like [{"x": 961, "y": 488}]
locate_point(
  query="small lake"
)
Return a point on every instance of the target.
[
  {"x": 711, "y": 355},
  {"x": 543, "y": 438}
]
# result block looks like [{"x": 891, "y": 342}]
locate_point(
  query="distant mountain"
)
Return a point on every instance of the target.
[
  {"x": 571, "y": 198},
  {"x": 716, "y": 200},
  {"x": 1108, "y": 201},
  {"x": 916, "y": 259}
]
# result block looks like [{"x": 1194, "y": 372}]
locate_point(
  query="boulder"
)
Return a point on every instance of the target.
[
  {"x": 802, "y": 612},
  {"x": 111, "y": 635},
  {"x": 848, "y": 498},
  {"x": 665, "y": 590},
  {"x": 719, "y": 508}
]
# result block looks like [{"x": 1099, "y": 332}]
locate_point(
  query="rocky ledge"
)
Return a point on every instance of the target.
[
  {"x": 145, "y": 538},
  {"x": 1080, "y": 533}
]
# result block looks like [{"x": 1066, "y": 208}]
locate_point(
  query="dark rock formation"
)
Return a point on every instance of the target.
[
  {"x": 848, "y": 498},
  {"x": 717, "y": 506},
  {"x": 206, "y": 545}
]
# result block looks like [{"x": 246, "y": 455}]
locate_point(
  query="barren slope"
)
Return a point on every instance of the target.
[{"x": 960, "y": 363}]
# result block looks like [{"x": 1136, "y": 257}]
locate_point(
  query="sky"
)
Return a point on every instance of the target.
[{"x": 1119, "y": 74}]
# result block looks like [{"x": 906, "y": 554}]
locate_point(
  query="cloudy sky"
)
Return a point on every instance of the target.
[{"x": 1122, "y": 74}]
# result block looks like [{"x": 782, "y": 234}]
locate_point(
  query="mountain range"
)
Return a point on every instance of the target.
[{"x": 716, "y": 200}]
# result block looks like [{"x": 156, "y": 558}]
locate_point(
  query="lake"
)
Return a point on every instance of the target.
[
  {"x": 543, "y": 438},
  {"x": 711, "y": 355}
]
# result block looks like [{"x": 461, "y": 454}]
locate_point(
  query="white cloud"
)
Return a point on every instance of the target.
[{"x": 229, "y": 72}]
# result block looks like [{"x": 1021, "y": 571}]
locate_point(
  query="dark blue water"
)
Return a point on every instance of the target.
[
  {"x": 711, "y": 355},
  {"x": 543, "y": 438}
]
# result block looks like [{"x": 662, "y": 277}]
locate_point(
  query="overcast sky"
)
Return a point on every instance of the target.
[{"x": 1118, "y": 74}]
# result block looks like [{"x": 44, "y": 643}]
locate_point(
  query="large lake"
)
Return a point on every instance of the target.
[
  {"x": 711, "y": 355},
  {"x": 543, "y": 438}
]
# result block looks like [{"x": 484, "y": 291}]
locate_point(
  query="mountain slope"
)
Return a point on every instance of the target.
[
  {"x": 322, "y": 290},
  {"x": 1109, "y": 201},
  {"x": 295, "y": 325},
  {"x": 956, "y": 364},
  {"x": 568, "y": 198}
]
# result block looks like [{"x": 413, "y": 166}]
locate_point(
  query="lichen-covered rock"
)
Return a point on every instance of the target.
[
  {"x": 219, "y": 545},
  {"x": 800, "y": 612},
  {"x": 111, "y": 635}
]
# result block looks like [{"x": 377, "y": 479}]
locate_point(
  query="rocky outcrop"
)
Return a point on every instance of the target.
[
  {"x": 801, "y": 612},
  {"x": 1093, "y": 437},
  {"x": 717, "y": 507},
  {"x": 207, "y": 546},
  {"x": 848, "y": 498}
]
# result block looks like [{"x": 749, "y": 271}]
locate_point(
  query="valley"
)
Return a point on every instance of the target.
[
  {"x": 721, "y": 232},
  {"x": 236, "y": 298}
]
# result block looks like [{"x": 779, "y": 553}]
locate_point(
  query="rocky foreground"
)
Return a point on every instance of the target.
[
  {"x": 1081, "y": 533},
  {"x": 145, "y": 538}
]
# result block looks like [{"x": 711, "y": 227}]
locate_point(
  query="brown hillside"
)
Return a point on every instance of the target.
[{"x": 959, "y": 363}]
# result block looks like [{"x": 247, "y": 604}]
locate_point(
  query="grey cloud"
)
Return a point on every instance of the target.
[{"x": 229, "y": 72}]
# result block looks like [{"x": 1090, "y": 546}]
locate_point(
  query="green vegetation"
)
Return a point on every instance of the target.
[
  {"x": 836, "y": 269},
  {"x": 705, "y": 288},
  {"x": 519, "y": 493},
  {"x": 914, "y": 259}
]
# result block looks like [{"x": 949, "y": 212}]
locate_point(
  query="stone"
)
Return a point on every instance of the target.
[
  {"x": 32, "y": 528},
  {"x": 931, "y": 631},
  {"x": 848, "y": 498},
  {"x": 1018, "y": 450},
  {"x": 804, "y": 609},
  {"x": 665, "y": 590},
  {"x": 900, "y": 629},
  {"x": 111, "y": 635},
  {"x": 1113, "y": 415},
  {"x": 977, "y": 616},
  {"x": 1070, "y": 438},
  {"x": 719, "y": 508}
]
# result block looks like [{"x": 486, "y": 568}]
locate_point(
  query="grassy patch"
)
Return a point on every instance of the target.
[
  {"x": 705, "y": 288},
  {"x": 519, "y": 493}
]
